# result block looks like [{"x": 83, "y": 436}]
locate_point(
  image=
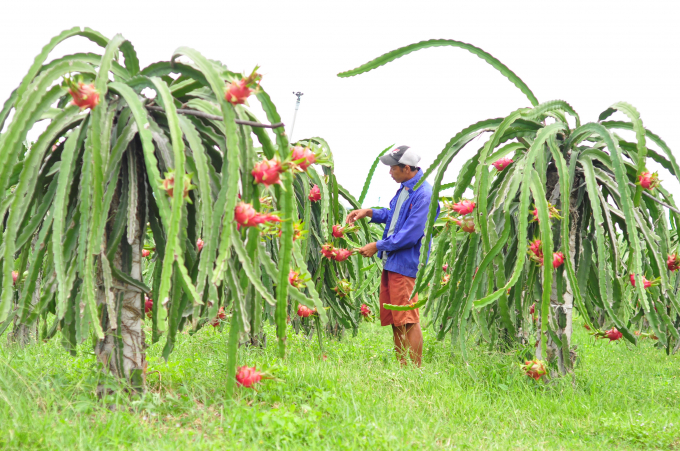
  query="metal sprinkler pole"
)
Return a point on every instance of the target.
[{"x": 297, "y": 106}]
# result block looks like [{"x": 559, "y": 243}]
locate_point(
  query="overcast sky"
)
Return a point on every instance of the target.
[{"x": 591, "y": 54}]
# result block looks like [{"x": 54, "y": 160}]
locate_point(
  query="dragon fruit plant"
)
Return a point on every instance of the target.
[
  {"x": 96, "y": 194},
  {"x": 545, "y": 184}
]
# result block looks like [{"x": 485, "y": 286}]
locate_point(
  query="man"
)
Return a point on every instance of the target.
[{"x": 399, "y": 249}]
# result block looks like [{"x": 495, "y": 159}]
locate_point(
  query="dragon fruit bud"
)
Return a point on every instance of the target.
[
  {"x": 295, "y": 280},
  {"x": 302, "y": 157},
  {"x": 146, "y": 252},
  {"x": 502, "y": 163},
  {"x": 613, "y": 334},
  {"x": 247, "y": 377},
  {"x": 15, "y": 276},
  {"x": 268, "y": 172},
  {"x": 532, "y": 309},
  {"x": 534, "y": 369},
  {"x": 84, "y": 95},
  {"x": 148, "y": 306},
  {"x": 365, "y": 311},
  {"x": 673, "y": 262},
  {"x": 558, "y": 259},
  {"x": 445, "y": 267},
  {"x": 446, "y": 279},
  {"x": 342, "y": 254},
  {"x": 466, "y": 224},
  {"x": 463, "y": 207},
  {"x": 305, "y": 312},
  {"x": 315, "y": 194},
  {"x": 649, "y": 180},
  {"x": 338, "y": 231},
  {"x": 199, "y": 244}
]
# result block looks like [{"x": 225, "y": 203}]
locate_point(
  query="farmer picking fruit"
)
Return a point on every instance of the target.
[{"x": 399, "y": 248}]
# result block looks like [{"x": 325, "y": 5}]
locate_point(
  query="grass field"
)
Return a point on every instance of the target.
[{"x": 358, "y": 398}]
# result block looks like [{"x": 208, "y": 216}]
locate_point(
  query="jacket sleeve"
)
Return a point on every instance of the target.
[
  {"x": 379, "y": 215},
  {"x": 411, "y": 231}
]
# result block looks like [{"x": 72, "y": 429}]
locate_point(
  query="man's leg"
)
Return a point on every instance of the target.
[{"x": 408, "y": 338}]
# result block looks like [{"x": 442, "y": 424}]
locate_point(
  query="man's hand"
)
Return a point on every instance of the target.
[
  {"x": 369, "y": 250},
  {"x": 358, "y": 214}
]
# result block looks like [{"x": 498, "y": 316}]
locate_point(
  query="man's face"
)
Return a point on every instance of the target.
[{"x": 400, "y": 175}]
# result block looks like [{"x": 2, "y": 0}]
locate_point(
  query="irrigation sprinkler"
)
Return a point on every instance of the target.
[{"x": 297, "y": 106}]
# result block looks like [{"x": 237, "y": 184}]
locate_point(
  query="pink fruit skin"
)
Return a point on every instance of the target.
[
  {"x": 649, "y": 180},
  {"x": 365, "y": 311},
  {"x": 247, "y": 377},
  {"x": 338, "y": 231},
  {"x": 237, "y": 92},
  {"x": 199, "y": 245},
  {"x": 342, "y": 254},
  {"x": 305, "y": 312},
  {"x": 299, "y": 153},
  {"x": 148, "y": 306},
  {"x": 15, "y": 276},
  {"x": 145, "y": 253},
  {"x": 445, "y": 267},
  {"x": 463, "y": 207},
  {"x": 86, "y": 96},
  {"x": 267, "y": 172},
  {"x": 558, "y": 259},
  {"x": 673, "y": 262},
  {"x": 315, "y": 194},
  {"x": 502, "y": 163},
  {"x": 613, "y": 334},
  {"x": 467, "y": 225}
]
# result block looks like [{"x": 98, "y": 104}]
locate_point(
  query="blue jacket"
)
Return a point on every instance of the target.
[{"x": 403, "y": 246}]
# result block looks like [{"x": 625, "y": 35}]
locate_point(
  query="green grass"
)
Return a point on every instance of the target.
[{"x": 621, "y": 397}]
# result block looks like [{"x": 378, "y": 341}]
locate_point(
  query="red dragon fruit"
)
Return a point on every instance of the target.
[
  {"x": 302, "y": 157},
  {"x": 221, "y": 316},
  {"x": 532, "y": 309},
  {"x": 645, "y": 283},
  {"x": 502, "y": 163},
  {"x": 463, "y": 207},
  {"x": 268, "y": 172},
  {"x": 146, "y": 252},
  {"x": 84, "y": 95},
  {"x": 365, "y": 311},
  {"x": 558, "y": 259},
  {"x": 339, "y": 231},
  {"x": 305, "y": 312},
  {"x": 328, "y": 251},
  {"x": 295, "y": 280},
  {"x": 247, "y": 376},
  {"x": 466, "y": 224},
  {"x": 148, "y": 306},
  {"x": 534, "y": 369},
  {"x": 237, "y": 92},
  {"x": 199, "y": 244},
  {"x": 445, "y": 267},
  {"x": 246, "y": 216},
  {"x": 649, "y": 180},
  {"x": 342, "y": 254},
  {"x": 315, "y": 194},
  {"x": 535, "y": 251},
  {"x": 673, "y": 262},
  {"x": 613, "y": 334}
]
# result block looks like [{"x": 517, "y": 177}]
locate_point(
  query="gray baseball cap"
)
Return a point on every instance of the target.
[{"x": 400, "y": 155}]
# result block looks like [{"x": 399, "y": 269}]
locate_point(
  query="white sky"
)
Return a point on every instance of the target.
[{"x": 591, "y": 54}]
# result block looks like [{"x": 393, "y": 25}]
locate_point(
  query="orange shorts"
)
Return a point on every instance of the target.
[{"x": 396, "y": 289}]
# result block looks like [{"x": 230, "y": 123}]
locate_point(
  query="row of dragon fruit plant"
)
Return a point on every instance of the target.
[
  {"x": 246, "y": 227},
  {"x": 559, "y": 216}
]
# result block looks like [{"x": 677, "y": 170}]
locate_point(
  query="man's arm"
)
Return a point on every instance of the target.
[
  {"x": 377, "y": 215},
  {"x": 413, "y": 228}
]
